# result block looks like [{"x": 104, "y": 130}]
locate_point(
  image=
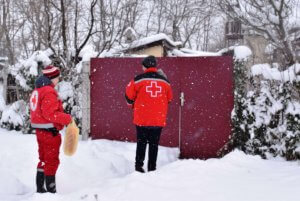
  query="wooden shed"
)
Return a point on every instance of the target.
[{"x": 157, "y": 45}]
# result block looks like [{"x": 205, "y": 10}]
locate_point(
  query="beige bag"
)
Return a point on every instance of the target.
[{"x": 71, "y": 139}]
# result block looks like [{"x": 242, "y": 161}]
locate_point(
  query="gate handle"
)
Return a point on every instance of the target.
[{"x": 182, "y": 100}]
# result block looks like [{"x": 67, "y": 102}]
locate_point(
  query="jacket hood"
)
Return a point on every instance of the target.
[{"x": 42, "y": 81}]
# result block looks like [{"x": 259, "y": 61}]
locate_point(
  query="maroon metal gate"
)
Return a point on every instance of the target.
[{"x": 198, "y": 118}]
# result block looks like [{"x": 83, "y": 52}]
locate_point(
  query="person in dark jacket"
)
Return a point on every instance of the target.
[
  {"x": 149, "y": 95},
  {"x": 47, "y": 117}
]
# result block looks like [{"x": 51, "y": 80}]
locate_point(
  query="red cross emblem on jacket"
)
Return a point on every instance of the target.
[
  {"x": 34, "y": 100},
  {"x": 153, "y": 89}
]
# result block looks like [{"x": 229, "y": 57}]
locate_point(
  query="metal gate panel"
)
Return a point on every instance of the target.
[
  {"x": 205, "y": 117},
  {"x": 207, "y": 84},
  {"x": 111, "y": 118}
]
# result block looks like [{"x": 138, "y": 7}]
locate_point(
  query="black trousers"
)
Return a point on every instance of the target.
[{"x": 147, "y": 135}]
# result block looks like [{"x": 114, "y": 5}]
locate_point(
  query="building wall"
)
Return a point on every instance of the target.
[
  {"x": 157, "y": 51},
  {"x": 258, "y": 45}
]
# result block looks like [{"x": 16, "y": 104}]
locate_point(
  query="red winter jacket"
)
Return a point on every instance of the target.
[
  {"x": 46, "y": 109},
  {"x": 149, "y": 94}
]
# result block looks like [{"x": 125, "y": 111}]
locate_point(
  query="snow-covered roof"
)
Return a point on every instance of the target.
[
  {"x": 3, "y": 58},
  {"x": 184, "y": 52},
  {"x": 152, "y": 39},
  {"x": 125, "y": 47},
  {"x": 3, "y": 61}
]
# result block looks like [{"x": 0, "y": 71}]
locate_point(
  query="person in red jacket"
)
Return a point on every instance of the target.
[
  {"x": 149, "y": 95},
  {"x": 47, "y": 117}
]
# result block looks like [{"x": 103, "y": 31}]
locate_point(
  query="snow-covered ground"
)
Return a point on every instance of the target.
[{"x": 102, "y": 170}]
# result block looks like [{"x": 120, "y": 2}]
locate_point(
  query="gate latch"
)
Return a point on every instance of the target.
[{"x": 182, "y": 99}]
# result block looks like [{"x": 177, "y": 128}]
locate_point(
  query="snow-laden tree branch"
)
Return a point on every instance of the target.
[{"x": 274, "y": 20}]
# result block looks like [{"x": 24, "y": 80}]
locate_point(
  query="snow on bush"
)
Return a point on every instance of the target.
[
  {"x": 239, "y": 134},
  {"x": 31, "y": 64},
  {"x": 242, "y": 53},
  {"x": 69, "y": 90},
  {"x": 269, "y": 73},
  {"x": 269, "y": 120},
  {"x": 65, "y": 90},
  {"x": 14, "y": 116},
  {"x": 86, "y": 54},
  {"x": 27, "y": 70}
]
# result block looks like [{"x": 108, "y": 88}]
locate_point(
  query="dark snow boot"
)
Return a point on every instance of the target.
[
  {"x": 139, "y": 169},
  {"x": 40, "y": 180},
  {"x": 151, "y": 167},
  {"x": 50, "y": 184}
]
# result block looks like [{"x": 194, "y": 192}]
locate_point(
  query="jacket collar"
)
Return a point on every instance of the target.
[
  {"x": 152, "y": 69},
  {"x": 43, "y": 81}
]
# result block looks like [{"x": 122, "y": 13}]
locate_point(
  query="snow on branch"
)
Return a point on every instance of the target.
[
  {"x": 240, "y": 52},
  {"x": 269, "y": 73}
]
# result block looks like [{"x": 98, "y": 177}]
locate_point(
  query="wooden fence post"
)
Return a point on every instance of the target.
[{"x": 86, "y": 108}]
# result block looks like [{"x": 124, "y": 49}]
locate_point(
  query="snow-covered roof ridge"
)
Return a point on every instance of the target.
[
  {"x": 3, "y": 58},
  {"x": 184, "y": 52},
  {"x": 152, "y": 39},
  {"x": 139, "y": 43}
]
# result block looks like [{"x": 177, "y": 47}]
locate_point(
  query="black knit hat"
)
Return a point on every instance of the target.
[{"x": 149, "y": 61}]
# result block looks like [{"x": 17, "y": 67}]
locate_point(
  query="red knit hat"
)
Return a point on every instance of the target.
[{"x": 51, "y": 72}]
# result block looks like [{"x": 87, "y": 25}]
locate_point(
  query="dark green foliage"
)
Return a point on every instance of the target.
[
  {"x": 266, "y": 121},
  {"x": 240, "y": 134}
]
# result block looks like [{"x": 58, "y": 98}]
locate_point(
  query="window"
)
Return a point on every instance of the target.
[
  {"x": 12, "y": 96},
  {"x": 11, "y": 81},
  {"x": 233, "y": 29},
  {"x": 12, "y": 90}
]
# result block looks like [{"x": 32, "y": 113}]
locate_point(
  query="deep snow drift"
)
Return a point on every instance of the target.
[{"x": 102, "y": 170}]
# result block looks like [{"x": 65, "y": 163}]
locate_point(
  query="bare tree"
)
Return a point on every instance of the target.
[
  {"x": 270, "y": 18},
  {"x": 8, "y": 29},
  {"x": 67, "y": 26},
  {"x": 188, "y": 21},
  {"x": 109, "y": 27},
  {"x": 90, "y": 29},
  {"x": 114, "y": 17}
]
